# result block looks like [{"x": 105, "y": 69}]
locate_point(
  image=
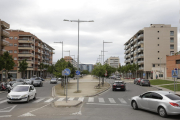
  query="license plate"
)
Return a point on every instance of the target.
[
  {"x": 118, "y": 88},
  {"x": 14, "y": 98}
]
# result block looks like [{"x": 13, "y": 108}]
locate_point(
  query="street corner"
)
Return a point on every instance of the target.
[{"x": 71, "y": 103}]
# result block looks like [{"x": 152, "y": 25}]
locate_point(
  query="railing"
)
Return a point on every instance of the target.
[
  {"x": 141, "y": 35},
  {"x": 24, "y": 39},
  {"x": 140, "y": 62},
  {"x": 141, "y": 68},
  {"x": 24, "y": 46}
]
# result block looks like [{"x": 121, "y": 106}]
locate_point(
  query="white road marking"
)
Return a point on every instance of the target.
[
  {"x": 72, "y": 98},
  {"x": 81, "y": 99},
  {"x": 6, "y": 116},
  {"x": 60, "y": 99},
  {"x": 26, "y": 115},
  {"x": 8, "y": 109},
  {"x": 107, "y": 104},
  {"x": 111, "y": 100},
  {"x": 101, "y": 100},
  {"x": 49, "y": 100},
  {"x": 39, "y": 100},
  {"x": 122, "y": 100},
  {"x": 91, "y": 99},
  {"x": 3, "y": 101}
]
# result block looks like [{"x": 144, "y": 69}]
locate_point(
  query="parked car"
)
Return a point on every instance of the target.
[
  {"x": 28, "y": 81},
  {"x": 119, "y": 85},
  {"x": 40, "y": 78},
  {"x": 118, "y": 78},
  {"x": 38, "y": 82},
  {"x": 21, "y": 93},
  {"x": 53, "y": 80},
  {"x": 138, "y": 81},
  {"x": 162, "y": 102},
  {"x": 59, "y": 79},
  {"x": 18, "y": 83},
  {"x": 12, "y": 82},
  {"x": 144, "y": 82},
  {"x": 135, "y": 80},
  {"x": 19, "y": 80}
]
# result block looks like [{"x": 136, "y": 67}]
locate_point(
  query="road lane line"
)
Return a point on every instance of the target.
[
  {"x": 122, "y": 100},
  {"x": 72, "y": 98},
  {"x": 91, "y": 99},
  {"x": 39, "y": 100},
  {"x": 6, "y": 116},
  {"x": 60, "y": 99},
  {"x": 101, "y": 100},
  {"x": 8, "y": 109},
  {"x": 111, "y": 100},
  {"x": 81, "y": 99},
  {"x": 3, "y": 101},
  {"x": 49, "y": 100}
]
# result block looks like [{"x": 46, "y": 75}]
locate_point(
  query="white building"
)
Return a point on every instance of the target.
[{"x": 113, "y": 62}]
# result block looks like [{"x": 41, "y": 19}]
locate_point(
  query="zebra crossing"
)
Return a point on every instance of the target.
[{"x": 83, "y": 99}]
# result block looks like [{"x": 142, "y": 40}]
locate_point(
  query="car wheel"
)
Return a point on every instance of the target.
[
  {"x": 162, "y": 112},
  {"x": 27, "y": 99},
  {"x": 34, "y": 97},
  {"x": 134, "y": 105}
]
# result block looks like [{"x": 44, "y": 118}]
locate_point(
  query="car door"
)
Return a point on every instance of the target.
[
  {"x": 154, "y": 101},
  {"x": 144, "y": 100},
  {"x": 30, "y": 92}
]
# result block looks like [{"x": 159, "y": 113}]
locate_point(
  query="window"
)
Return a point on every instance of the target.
[
  {"x": 171, "y": 33},
  {"x": 156, "y": 96},
  {"x": 10, "y": 38},
  {"x": 15, "y": 44},
  {"x": 158, "y": 44},
  {"x": 147, "y": 95},
  {"x": 15, "y": 58},
  {"x": 15, "y": 51},
  {"x": 158, "y": 51},
  {"x": 160, "y": 75},
  {"x": 171, "y": 46},
  {"x": 177, "y": 61},
  {"x": 171, "y": 52},
  {"x": 10, "y": 51},
  {"x": 172, "y": 40},
  {"x": 153, "y": 65},
  {"x": 173, "y": 97},
  {"x": 15, "y": 38},
  {"x": 10, "y": 44}
]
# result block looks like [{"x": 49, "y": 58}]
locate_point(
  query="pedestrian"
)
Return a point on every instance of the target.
[{"x": 156, "y": 76}]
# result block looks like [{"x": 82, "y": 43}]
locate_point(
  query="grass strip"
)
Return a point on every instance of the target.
[
  {"x": 171, "y": 87},
  {"x": 160, "y": 82}
]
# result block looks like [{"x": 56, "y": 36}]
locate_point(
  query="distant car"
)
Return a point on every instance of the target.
[
  {"x": 21, "y": 93},
  {"x": 118, "y": 78},
  {"x": 135, "y": 80},
  {"x": 112, "y": 77},
  {"x": 144, "y": 82},
  {"x": 19, "y": 80},
  {"x": 38, "y": 82},
  {"x": 138, "y": 81},
  {"x": 59, "y": 79},
  {"x": 28, "y": 81},
  {"x": 18, "y": 83},
  {"x": 118, "y": 85},
  {"x": 40, "y": 78},
  {"x": 162, "y": 102},
  {"x": 53, "y": 80},
  {"x": 12, "y": 82}
]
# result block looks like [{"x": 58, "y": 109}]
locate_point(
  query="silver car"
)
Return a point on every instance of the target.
[{"x": 162, "y": 102}]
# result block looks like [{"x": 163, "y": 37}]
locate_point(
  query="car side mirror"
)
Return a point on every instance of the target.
[{"x": 140, "y": 96}]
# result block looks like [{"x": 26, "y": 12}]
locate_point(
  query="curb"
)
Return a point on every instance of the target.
[
  {"x": 99, "y": 92},
  {"x": 161, "y": 88}
]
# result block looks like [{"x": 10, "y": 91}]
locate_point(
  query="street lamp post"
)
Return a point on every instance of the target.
[
  {"x": 62, "y": 47},
  {"x": 103, "y": 50},
  {"x": 102, "y": 56},
  {"x": 73, "y": 60},
  {"x": 78, "y": 21}
]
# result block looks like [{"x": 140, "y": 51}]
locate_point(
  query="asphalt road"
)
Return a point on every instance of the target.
[{"x": 110, "y": 105}]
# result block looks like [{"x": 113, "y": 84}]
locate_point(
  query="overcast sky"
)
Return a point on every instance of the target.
[{"x": 114, "y": 21}]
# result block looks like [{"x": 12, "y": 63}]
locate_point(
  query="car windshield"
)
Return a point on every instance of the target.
[
  {"x": 20, "y": 88},
  {"x": 53, "y": 79},
  {"x": 19, "y": 80},
  {"x": 18, "y": 83},
  {"x": 173, "y": 97},
  {"x": 26, "y": 80}
]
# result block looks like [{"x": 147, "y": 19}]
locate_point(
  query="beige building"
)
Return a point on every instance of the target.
[
  {"x": 3, "y": 34},
  {"x": 113, "y": 62},
  {"x": 149, "y": 47},
  {"x": 25, "y": 45},
  {"x": 71, "y": 60}
]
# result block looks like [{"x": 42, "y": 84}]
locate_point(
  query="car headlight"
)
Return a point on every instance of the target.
[
  {"x": 24, "y": 96},
  {"x": 8, "y": 96}
]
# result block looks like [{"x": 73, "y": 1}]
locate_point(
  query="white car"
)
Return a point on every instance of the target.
[{"x": 21, "y": 93}]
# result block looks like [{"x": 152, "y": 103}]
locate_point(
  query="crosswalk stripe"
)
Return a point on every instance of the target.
[
  {"x": 91, "y": 99},
  {"x": 49, "y": 100},
  {"x": 101, "y": 100},
  {"x": 3, "y": 101},
  {"x": 60, "y": 99},
  {"x": 111, "y": 100},
  {"x": 72, "y": 98},
  {"x": 39, "y": 100},
  {"x": 81, "y": 99},
  {"x": 122, "y": 100}
]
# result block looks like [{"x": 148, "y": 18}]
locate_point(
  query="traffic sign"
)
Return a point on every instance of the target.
[
  {"x": 67, "y": 71},
  {"x": 77, "y": 72},
  {"x": 63, "y": 74},
  {"x": 144, "y": 74},
  {"x": 174, "y": 73}
]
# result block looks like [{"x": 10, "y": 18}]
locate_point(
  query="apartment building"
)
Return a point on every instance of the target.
[
  {"x": 71, "y": 60},
  {"x": 25, "y": 45},
  {"x": 113, "y": 62},
  {"x": 3, "y": 34},
  {"x": 88, "y": 67},
  {"x": 148, "y": 48}
]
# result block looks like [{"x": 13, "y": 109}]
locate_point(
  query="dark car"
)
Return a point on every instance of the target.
[
  {"x": 144, "y": 82},
  {"x": 38, "y": 82},
  {"x": 136, "y": 79},
  {"x": 119, "y": 85}
]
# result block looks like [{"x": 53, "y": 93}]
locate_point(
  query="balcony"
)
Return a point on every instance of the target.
[
  {"x": 39, "y": 45},
  {"x": 140, "y": 49},
  {"x": 132, "y": 53},
  {"x": 5, "y": 34},
  {"x": 29, "y": 61},
  {"x": 135, "y": 45},
  {"x": 140, "y": 62},
  {"x": 141, "y": 56},
  {"x": 141, "y": 68},
  {"x": 128, "y": 60},
  {"x": 25, "y": 40},
  {"x": 140, "y": 36},
  {"x": 135, "y": 39},
  {"x": 5, "y": 43},
  {"x": 25, "y": 54},
  {"x": 135, "y": 57},
  {"x": 30, "y": 68},
  {"x": 5, "y": 25},
  {"x": 27, "y": 47},
  {"x": 140, "y": 42}
]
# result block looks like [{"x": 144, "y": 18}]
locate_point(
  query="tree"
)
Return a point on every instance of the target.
[
  {"x": 41, "y": 67},
  {"x": 23, "y": 67},
  {"x": 85, "y": 72},
  {"x": 6, "y": 63}
]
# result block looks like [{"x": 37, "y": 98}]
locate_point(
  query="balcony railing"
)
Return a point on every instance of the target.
[
  {"x": 141, "y": 68},
  {"x": 140, "y": 62},
  {"x": 5, "y": 33},
  {"x": 5, "y": 25},
  {"x": 141, "y": 35}
]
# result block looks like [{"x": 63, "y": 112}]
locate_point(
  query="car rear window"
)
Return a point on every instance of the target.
[
  {"x": 119, "y": 83},
  {"x": 146, "y": 80},
  {"x": 173, "y": 96}
]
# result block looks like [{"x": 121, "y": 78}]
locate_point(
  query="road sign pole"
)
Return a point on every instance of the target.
[
  {"x": 66, "y": 89},
  {"x": 64, "y": 85}
]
